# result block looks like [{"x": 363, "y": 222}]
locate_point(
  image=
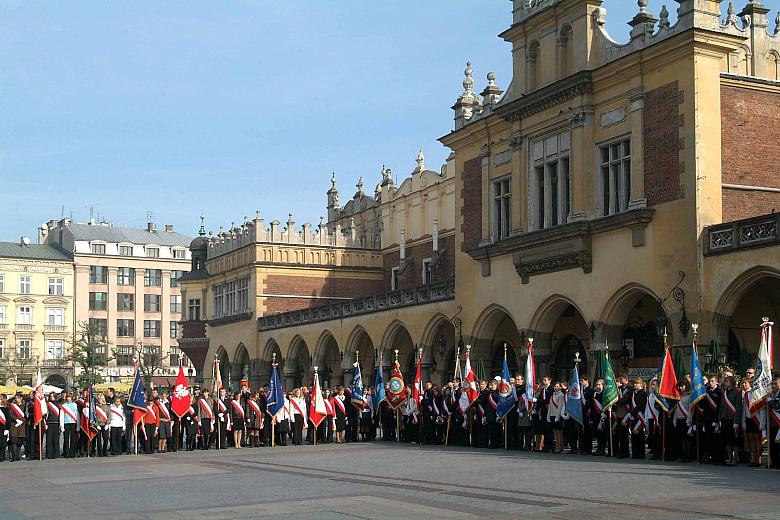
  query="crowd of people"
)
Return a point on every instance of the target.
[{"x": 718, "y": 429}]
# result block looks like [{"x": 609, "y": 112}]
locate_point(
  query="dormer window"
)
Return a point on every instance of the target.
[
  {"x": 98, "y": 249},
  {"x": 126, "y": 250},
  {"x": 179, "y": 254},
  {"x": 153, "y": 252}
]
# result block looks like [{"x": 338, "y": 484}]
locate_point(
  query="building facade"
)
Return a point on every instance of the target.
[
  {"x": 126, "y": 289},
  {"x": 611, "y": 194},
  {"x": 36, "y": 313}
]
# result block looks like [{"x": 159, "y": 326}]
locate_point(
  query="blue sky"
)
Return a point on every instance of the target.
[{"x": 177, "y": 106}]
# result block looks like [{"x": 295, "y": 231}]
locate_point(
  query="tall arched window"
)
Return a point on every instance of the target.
[
  {"x": 565, "y": 51},
  {"x": 533, "y": 65}
]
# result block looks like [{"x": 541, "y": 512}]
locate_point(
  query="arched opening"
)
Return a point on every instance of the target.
[
  {"x": 495, "y": 327},
  {"x": 297, "y": 364},
  {"x": 533, "y": 65},
  {"x": 56, "y": 380},
  {"x": 757, "y": 299},
  {"x": 328, "y": 358},
  {"x": 570, "y": 335},
  {"x": 241, "y": 368},
  {"x": 397, "y": 337},
  {"x": 565, "y": 51},
  {"x": 440, "y": 341},
  {"x": 224, "y": 366},
  {"x": 359, "y": 341},
  {"x": 264, "y": 368}
]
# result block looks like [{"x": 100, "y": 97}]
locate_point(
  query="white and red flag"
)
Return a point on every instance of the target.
[
  {"x": 180, "y": 401},
  {"x": 417, "y": 389},
  {"x": 40, "y": 410},
  {"x": 317, "y": 410},
  {"x": 468, "y": 383},
  {"x": 761, "y": 384}
]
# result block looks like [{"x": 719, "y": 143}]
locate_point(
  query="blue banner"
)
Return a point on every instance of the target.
[
  {"x": 507, "y": 396},
  {"x": 574, "y": 396},
  {"x": 275, "y": 393},
  {"x": 358, "y": 397},
  {"x": 137, "y": 399},
  {"x": 379, "y": 386},
  {"x": 698, "y": 390}
]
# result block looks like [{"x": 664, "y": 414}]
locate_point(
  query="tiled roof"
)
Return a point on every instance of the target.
[
  {"x": 33, "y": 252},
  {"x": 130, "y": 235}
]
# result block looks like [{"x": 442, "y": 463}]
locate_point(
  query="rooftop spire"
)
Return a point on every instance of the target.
[{"x": 202, "y": 230}]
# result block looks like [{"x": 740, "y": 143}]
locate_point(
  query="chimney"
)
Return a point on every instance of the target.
[
  {"x": 169, "y": 228},
  {"x": 24, "y": 241},
  {"x": 150, "y": 227}
]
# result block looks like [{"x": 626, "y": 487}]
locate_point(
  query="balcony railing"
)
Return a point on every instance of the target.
[
  {"x": 743, "y": 234},
  {"x": 55, "y": 363},
  {"x": 55, "y": 328},
  {"x": 422, "y": 295},
  {"x": 3, "y": 327},
  {"x": 24, "y": 327}
]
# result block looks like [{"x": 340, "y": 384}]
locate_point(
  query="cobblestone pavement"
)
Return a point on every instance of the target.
[{"x": 380, "y": 480}]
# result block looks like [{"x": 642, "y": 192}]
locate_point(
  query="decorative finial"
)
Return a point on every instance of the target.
[
  {"x": 664, "y": 24},
  {"x": 315, "y": 369},
  {"x": 273, "y": 359},
  {"x": 257, "y": 214},
  {"x": 695, "y": 327},
  {"x": 357, "y": 356},
  {"x": 505, "y": 348},
  {"x": 420, "y": 162},
  {"x": 731, "y": 14},
  {"x": 396, "y": 355},
  {"x": 491, "y": 77},
  {"x": 468, "y": 83},
  {"x": 642, "y": 6},
  {"x": 202, "y": 230},
  {"x": 333, "y": 180},
  {"x": 360, "y": 185},
  {"x": 765, "y": 319},
  {"x": 576, "y": 358},
  {"x": 777, "y": 24}
]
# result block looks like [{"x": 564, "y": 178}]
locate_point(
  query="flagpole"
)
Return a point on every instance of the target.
[
  {"x": 609, "y": 414},
  {"x": 419, "y": 396},
  {"x": 766, "y": 329},
  {"x": 274, "y": 366},
  {"x": 135, "y": 433},
  {"x": 40, "y": 436},
  {"x": 397, "y": 427},
  {"x": 695, "y": 327},
  {"x": 506, "y": 434}
]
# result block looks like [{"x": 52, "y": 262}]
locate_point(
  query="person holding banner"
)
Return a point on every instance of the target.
[
  {"x": 682, "y": 423},
  {"x": 205, "y": 419},
  {"x": 729, "y": 418},
  {"x": 773, "y": 407},
  {"x": 237, "y": 418},
  {"x": 52, "y": 427},
  {"x": 116, "y": 424},
  {"x": 102, "y": 419},
  {"x": 753, "y": 422}
]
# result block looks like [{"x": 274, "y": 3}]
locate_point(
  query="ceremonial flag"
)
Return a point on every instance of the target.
[
  {"x": 761, "y": 386},
  {"x": 217, "y": 380},
  {"x": 698, "y": 390},
  {"x": 275, "y": 393},
  {"x": 667, "y": 382},
  {"x": 180, "y": 401},
  {"x": 610, "y": 395},
  {"x": 574, "y": 397},
  {"x": 530, "y": 375},
  {"x": 317, "y": 410},
  {"x": 468, "y": 383},
  {"x": 88, "y": 415},
  {"x": 358, "y": 396},
  {"x": 379, "y": 385},
  {"x": 396, "y": 393},
  {"x": 417, "y": 390},
  {"x": 39, "y": 410},
  {"x": 136, "y": 398},
  {"x": 507, "y": 396}
]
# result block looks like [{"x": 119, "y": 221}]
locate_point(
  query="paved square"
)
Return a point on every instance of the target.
[{"x": 380, "y": 481}]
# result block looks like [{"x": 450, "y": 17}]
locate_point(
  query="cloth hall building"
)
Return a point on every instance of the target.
[{"x": 610, "y": 192}]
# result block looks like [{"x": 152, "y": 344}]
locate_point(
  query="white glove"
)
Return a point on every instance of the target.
[
  {"x": 19, "y": 422},
  {"x": 62, "y": 430},
  {"x": 6, "y": 434},
  {"x": 221, "y": 415},
  {"x": 105, "y": 427},
  {"x": 534, "y": 400}
]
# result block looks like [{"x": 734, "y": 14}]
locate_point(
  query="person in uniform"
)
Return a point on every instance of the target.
[
  {"x": 52, "y": 427},
  {"x": 710, "y": 406},
  {"x": 205, "y": 419},
  {"x": 773, "y": 407},
  {"x": 542, "y": 428},
  {"x": 116, "y": 424},
  {"x": 254, "y": 420},
  {"x": 298, "y": 416},
  {"x": 638, "y": 423},
  {"x": 340, "y": 404},
  {"x": 555, "y": 417},
  {"x": 387, "y": 418},
  {"x": 223, "y": 418},
  {"x": 164, "y": 428},
  {"x": 622, "y": 426},
  {"x": 102, "y": 420},
  {"x": 752, "y": 425},
  {"x": 599, "y": 421},
  {"x": 729, "y": 418},
  {"x": 524, "y": 428},
  {"x": 494, "y": 431},
  {"x": 151, "y": 426},
  {"x": 237, "y": 419},
  {"x": 586, "y": 438},
  {"x": 17, "y": 427},
  {"x": 69, "y": 420},
  {"x": 4, "y": 433}
]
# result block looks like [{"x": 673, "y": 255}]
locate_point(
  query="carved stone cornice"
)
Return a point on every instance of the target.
[
  {"x": 226, "y": 320},
  {"x": 561, "y": 247},
  {"x": 546, "y": 97}
]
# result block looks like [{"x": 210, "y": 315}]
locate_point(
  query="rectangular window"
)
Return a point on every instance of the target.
[
  {"x": 615, "y": 176},
  {"x": 549, "y": 181},
  {"x": 124, "y": 355},
  {"x": 25, "y": 284},
  {"x": 55, "y": 349},
  {"x": 2, "y": 314},
  {"x": 55, "y": 316},
  {"x": 394, "y": 279},
  {"x": 98, "y": 249},
  {"x": 151, "y": 355},
  {"x": 173, "y": 356},
  {"x": 125, "y": 328},
  {"x": 125, "y": 302},
  {"x": 151, "y": 328},
  {"x": 25, "y": 348},
  {"x": 98, "y": 301},
  {"x": 125, "y": 276},
  {"x": 2, "y": 283},
  {"x": 24, "y": 316},
  {"x": 219, "y": 299},
  {"x": 176, "y": 303},
  {"x": 98, "y": 327},
  {"x": 193, "y": 309},
  {"x": 56, "y": 286},
  {"x": 152, "y": 302},
  {"x": 2, "y": 348},
  {"x": 125, "y": 250},
  {"x": 175, "y": 275},
  {"x": 242, "y": 300},
  {"x": 153, "y": 252},
  {"x": 98, "y": 274},
  {"x": 502, "y": 208},
  {"x": 179, "y": 254},
  {"x": 427, "y": 272},
  {"x": 174, "y": 329},
  {"x": 152, "y": 277}
]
